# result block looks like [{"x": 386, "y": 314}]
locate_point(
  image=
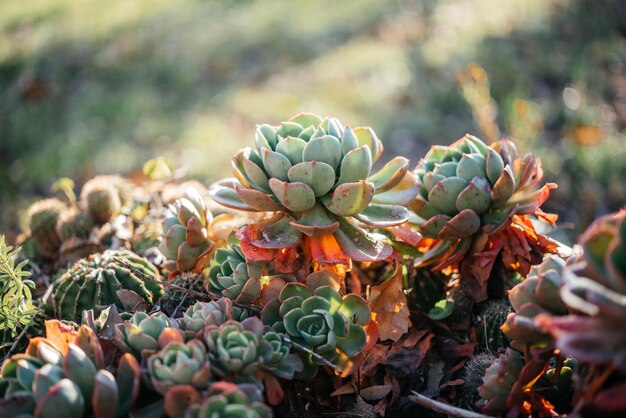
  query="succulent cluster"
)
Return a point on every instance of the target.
[
  {"x": 58, "y": 381},
  {"x": 316, "y": 174},
  {"x": 97, "y": 281},
  {"x": 232, "y": 276},
  {"x": 231, "y": 401},
  {"x": 316, "y": 316}
]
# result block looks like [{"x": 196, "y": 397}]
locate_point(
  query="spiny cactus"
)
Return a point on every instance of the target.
[
  {"x": 94, "y": 282},
  {"x": 537, "y": 294},
  {"x": 233, "y": 277},
  {"x": 42, "y": 219},
  {"x": 186, "y": 244},
  {"x": 100, "y": 197},
  {"x": 316, "y": 316},
  {"x": 316, "y": 175},
  {"x": 473, "y": 374},
  {"x": 498, "y": 382},
  {"x": 74, "y": 223},
  {"x": 180, "y": 364},
  {"x": 488, "y": 333},
  {"x": 49, "y": 381}
]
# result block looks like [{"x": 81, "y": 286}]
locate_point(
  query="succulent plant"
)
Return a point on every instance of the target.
[
  {"x": 146, "y": 332},
  {"x": 237, "y": 349},
  {"x": 186, "y": 244},
  {"x": 147, "y": 235},
  {"x": 95, "y": 282},
  {"x": 473, "y": 374},
  {"x": 227, "y": 400},
  {"x": 51, "y": 382},
  {"x": 316, "y": 175},
  {"x": 537, "y": 294},
  {"x": 282, "y": 363},
  {"x": 498, "y": 382},
  {"x": 202, "y": 314},
  {"x": 233, "y": 277},
  {"x": 101, "y": 198},
  {"x": 488, "y": 333},
  {"x": 470, "y": 189},
  {"x": 316, "y": 316},
  {"x": 595, "y": 292},
  {"x": 180, "y": 364},
  {"x": 42, "y": 219}
]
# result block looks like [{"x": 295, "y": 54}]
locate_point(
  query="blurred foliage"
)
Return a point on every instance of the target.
[{"x": 89, "y": 86}]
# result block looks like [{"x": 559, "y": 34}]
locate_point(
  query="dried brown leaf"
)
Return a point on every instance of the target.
[{"x": 389, "y": 307}]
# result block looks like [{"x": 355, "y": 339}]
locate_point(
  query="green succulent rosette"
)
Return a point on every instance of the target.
[
  {"x": 469, "y": 188},
  {"x": 317, "y": 173},
  {"x": 180, "y": 364},
  {"x": 237, "y": 349},
  {"x": 233, "y": 277},
  {"x": 227, "y": 400},
  {"x": 282, "y": 363},
  {"x": 95, "y": 281},
  {"x": 142, "y": 331},
  {"x": 50, "y": 383},
  {"x": 203, "y": 314},
  {"x": 317, "y": 317},
  {"x": 186, "y": 244}
]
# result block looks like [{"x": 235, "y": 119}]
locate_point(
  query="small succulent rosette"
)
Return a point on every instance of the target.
[{"x": 202, "y": 314}]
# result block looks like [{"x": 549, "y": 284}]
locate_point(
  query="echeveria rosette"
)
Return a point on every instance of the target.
[
  {"x": 237, "y": 349},
  {"x": 470, "y": 195},
  {"x": 498, "y": 382},
  {"x": 316, "y": 175},
  {"x": 317, "y": 317},
  {"x": 227, "y": 400},
  {"x": 595, "y": 292},
  {"x": 146, "y": 332},
  {"x": 180, "y": 364},
  {"x": 233, "y": 277},
  {"x": 50, "y": 380},
  {"x": 537, "y": 294},
  {"x": 282, "y": 363},
  {"x": 202, "y": 314},
  {"x": 187, "y": 243}
]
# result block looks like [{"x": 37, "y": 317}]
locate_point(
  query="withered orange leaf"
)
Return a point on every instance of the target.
[
  {"x": 60, "y": 334},
  {"x": 389, "y": 307}
]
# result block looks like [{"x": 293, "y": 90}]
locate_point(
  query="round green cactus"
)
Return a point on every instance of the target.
[
  {"x": 473, "y": 374},
  {"x": 186, "y": 244},
  {"x": 202, "y": 314},
  {"x": 101, "y": 199},
  {"x": 180, "y": 364},
  {"x": 317, "y": 173},
  {"x": 143, "y": 332},
  {"x": 237, "y": 349},
  {"x": 74, "y": 223},
  {"x": 469, "y": 187},
  {"x": 42, "y": 219},
  {"x": 233, "y": 277},
  {"x": 498, "y": 382},
  {"x": 488, "y": 333},
  {"x": 316, "y": 316},
  {"x": 94, "y": 282},
  {"x": 537, "y": 294},
  {"x": 228, "y": 400},
  {"x": 47, "y": 382}
]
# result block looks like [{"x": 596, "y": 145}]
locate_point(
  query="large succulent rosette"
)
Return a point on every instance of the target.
[
  {"x": 315, "y": 175},
  {"x": 475, "y": 203},
  {"x": 317, "y": 317}
]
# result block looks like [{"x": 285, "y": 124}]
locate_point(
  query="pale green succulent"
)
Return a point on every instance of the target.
[
  {"x": 227, "y": 400},
  {"x": 233, "y": 277},
  {"x": 202, "y": 314},
  {"x": 180, "y": 364},
  {"x": 142, "y": 331},
  {"x": 317, "y": 172}
]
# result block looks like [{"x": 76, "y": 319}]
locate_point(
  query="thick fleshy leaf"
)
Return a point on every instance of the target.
[
  {"x": 476, "y": 196},
  {"x": 317, "y": 175},
  {"x": 356, "y": 309},
  {"x": 80, "y": 369},
  {"x": 355, "y": 166},
  {"x": 227, "y": 196},
  {"x": 383, "y": 215},
  {"x": 315, "y": 302},
  {"x": 306, "y": 119},
  {"x": 292, "y": 149},
  {"x": 504, "y": 187},
  {"x": 443, "y": 196},
  {"x": 430, "y": 179},
  {"x": 315, "y": 222},
  {"x": 494, "y": 166},
  {"x": 276, "y": 164},
  {"x": 442, "y": 309},
  {"x": 105, "y": 395},
  {"x": 350, "y": 198},
  {"x": 255, "y": 174},
  {"x": 294, "y": 289},
  {"x": 325, "y": 149},
  {"x": 402, "y": 193},
  {"x": 289, "y": 128},
  {"x": 277, "y": 233},
  {"x": 470, "y": 166},
  {"x": 297, "y": 197},
  {"x": 349, "y": 141},
  {"x": 63, "y": 400},
  {"x": 367, "y": 136},
  {"x": 391, "y": 174},
  {"x": 434, "y": 225},
  {"x": 353, "y": 343},
  {"x": 320, "y": 279},
  {"x": 258, "y": 200},
  {"x": 465, "y": 224},
  {"x": 359, "y": 245},
  {"x": 265, "y": 136}
]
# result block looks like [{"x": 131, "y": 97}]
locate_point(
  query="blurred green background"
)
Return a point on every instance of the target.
[{"x": 92, "y": 86}]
